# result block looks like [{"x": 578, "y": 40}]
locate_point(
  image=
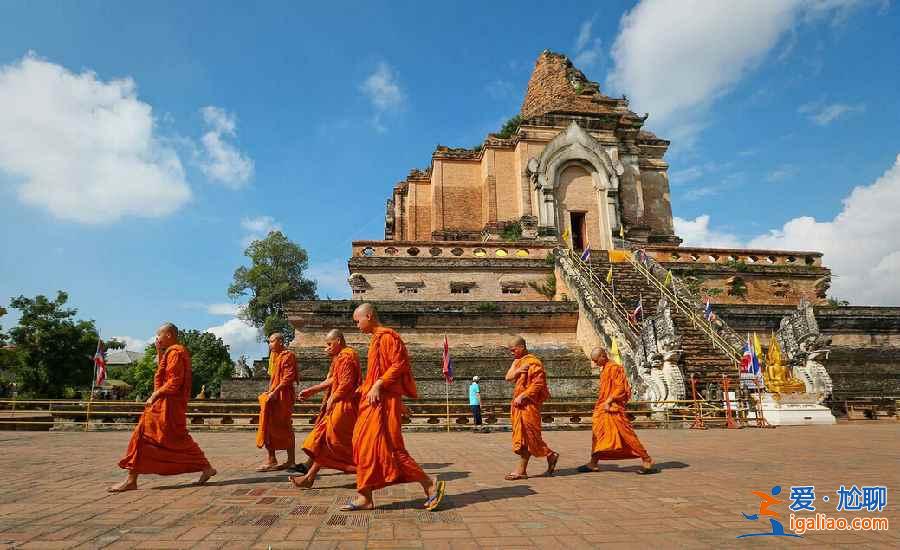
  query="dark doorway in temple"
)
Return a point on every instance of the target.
[{"x": 577, "y": 219}]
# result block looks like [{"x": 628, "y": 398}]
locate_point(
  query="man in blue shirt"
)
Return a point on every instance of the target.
[{"x": 475, "y": 400}]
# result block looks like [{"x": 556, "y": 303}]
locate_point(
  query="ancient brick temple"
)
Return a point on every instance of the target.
[{"x": 487, "y": 242}]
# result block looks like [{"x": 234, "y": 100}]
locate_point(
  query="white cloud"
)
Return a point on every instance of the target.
[
  {"x": 695, "y": 172},
  {"x": 383, "y": 90},
  {"x": 673, "y": 58},
  {"x": 241, "y": 337},
  {"x": 860, "y": 244},
  {"x": 824, "y": 114},
  {"x": 224, "y": 309},
  {"x": 697, "y": 232},
  {"x": 134, "y": 344},
  {"x": 221, "y": 161},
  {"x": 587, "y": 49},
  {"x": 258, "y": 228},
  {"x": 83, "y": 148},
  {"x": 781, "y": 173},
  {"x": 331, "y": 278}
]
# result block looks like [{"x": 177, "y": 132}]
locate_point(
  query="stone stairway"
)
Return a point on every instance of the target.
[{"x": 701, "y": 356}]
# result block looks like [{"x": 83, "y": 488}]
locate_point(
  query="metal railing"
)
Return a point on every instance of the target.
[
  {"x": 35, "y": 414},
  {"x": 699, "y": 322},
  {"x": 604, "y": 293}
]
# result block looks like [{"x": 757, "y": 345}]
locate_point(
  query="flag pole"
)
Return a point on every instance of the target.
[
  {"x": 87, "y": 418},
  {"x": 447, "y": 388}
]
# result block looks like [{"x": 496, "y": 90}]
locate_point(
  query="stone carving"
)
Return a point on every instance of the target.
[
  {"x": 572, "y": 144},
  {"x": 658, "y": 360},
  {"x": 650, "y": 357},
  {"x": 805, "y": 349},
  {"x": 242, "y": 369},
  {"x": 358, "y": 283}
]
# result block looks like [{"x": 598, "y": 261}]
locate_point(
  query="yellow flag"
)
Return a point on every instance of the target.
[
  {"x": 271, "y": 364},
  {"x": 757, "y": 346},
  {"x": 565, "y": 237},
  {"x": 614, "y": 352},
  {"x": 668, "y": 280},
  {"x": 609, "y": 276},
  {"x": 773, "y": 357}
]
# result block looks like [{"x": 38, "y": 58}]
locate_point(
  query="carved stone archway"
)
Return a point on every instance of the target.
[{"x": 576, "y": 145}]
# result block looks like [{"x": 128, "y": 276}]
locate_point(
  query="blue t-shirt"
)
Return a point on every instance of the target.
[{"x": 474, "y": 397}]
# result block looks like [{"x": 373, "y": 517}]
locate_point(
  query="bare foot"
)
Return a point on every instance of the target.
[
  {"x": 126, "y": 485},
  {"x": 204, "y": 477},
  {"x": 552, "y": 459},
  {"x": 301, "y": 482}
]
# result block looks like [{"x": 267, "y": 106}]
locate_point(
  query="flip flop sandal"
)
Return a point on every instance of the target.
[
  {"x": 515, "y": 477},
  {"x": 648, "y": 471},
  {"x": 432, "y": 503},
  {"x": 585, "y": 469},
  {"x": 300, "y": 468},
  {"x": 270, "y": 468},
  {"x": 350, "y": 507}
]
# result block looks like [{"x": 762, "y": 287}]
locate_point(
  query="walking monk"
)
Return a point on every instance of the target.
[
  {"x": 527, "y": 373},
  {"x": 613, "y": 437},
  {"x": 378, "y": 450},
  {"x": 276, "y": 427},
  {"x": 160, "y": 443},
  {"x": 330, "y": 443}
]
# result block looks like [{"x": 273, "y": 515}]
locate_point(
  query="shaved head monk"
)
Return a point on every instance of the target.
[
  {"x": 160, "y": 443},
  {"x": 378, "y": 450},
  {"x": 276, "y": 406},
  {"x": 613, "y": 437},
  {"x": 527, "y": 373},
  {"x": 330, "y": 443}
]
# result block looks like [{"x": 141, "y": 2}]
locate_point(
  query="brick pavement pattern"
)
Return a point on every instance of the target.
[{"x": 52, "y": 494}]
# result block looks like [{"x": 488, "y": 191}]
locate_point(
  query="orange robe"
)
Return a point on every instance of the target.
[
  {"x": 526, "y": 420},
  {"x": 160, "y": 443},
  {"x": 613, "y": 437},
  {"x": 378, "y": 450},
  {"x": 330, "y": 443},
  {"x": 276, "y": 428}
]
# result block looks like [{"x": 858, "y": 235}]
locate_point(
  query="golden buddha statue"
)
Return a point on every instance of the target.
[{"x": 779, "y": 378}]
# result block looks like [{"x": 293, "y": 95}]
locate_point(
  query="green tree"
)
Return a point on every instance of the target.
[
  {"x": 274, "y": 278},
  {"x": 210, "y": 364},
  {"x": 54, "y": 351},
  {"x": 140, "y": 375},
  {"x": 510, "y": 127}
]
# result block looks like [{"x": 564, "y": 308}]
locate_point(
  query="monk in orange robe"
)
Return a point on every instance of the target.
[
  {"x": 276, "y": 406},
  {"x": 330, "y": 443},
  {"x": 160, "y": 443},
  {"x": 613, "y": 437},
  {"x": 378, "y": 450},
  {"x": 530, "y": 379}
]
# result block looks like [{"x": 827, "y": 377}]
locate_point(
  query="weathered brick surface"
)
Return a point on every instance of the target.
[{"x": 54, "y": 494}]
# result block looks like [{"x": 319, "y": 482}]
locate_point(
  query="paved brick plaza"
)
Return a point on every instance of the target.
[{"x": 53, "y": 494}]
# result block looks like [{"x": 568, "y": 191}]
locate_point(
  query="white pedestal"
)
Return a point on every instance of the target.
[{"x": 794, "y": 409}]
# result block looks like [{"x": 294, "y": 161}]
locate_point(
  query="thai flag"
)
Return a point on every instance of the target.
[
  {"x": 707, "y": 311},
  {"x": 100, "y": 363},
  {"x": 638, "y": 314},
  {"x": 749, "y": 360},
  {"x": 586, "y": 255},
  {"x": 447, "y": 367}
]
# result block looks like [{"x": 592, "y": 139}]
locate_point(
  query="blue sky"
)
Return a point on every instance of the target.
[{"x": 142, "y": 145}]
